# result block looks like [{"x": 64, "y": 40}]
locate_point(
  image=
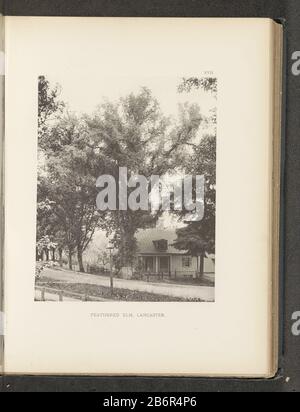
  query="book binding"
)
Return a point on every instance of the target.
[{"x": 2, "y": 83}]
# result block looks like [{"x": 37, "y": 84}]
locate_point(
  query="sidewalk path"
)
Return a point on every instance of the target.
[{"x": 205, "y": 293}]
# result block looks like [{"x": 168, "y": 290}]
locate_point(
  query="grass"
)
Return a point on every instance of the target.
[
  {"x": 187, "y": 281},
  {"x": 105, "y": 292}
]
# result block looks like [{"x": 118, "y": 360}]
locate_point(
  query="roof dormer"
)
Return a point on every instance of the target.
[{"x": 161, "y": 245}]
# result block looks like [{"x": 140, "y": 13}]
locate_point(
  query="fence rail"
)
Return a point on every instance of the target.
[{"x": 64, "y": 293}]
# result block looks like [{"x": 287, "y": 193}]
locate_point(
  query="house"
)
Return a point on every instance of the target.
[{"x": 156, "y": 254}]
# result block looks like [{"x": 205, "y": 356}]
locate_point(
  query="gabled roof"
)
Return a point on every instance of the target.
[{"x": 146, "y": 237}]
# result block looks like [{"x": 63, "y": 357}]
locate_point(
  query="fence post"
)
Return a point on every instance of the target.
[
  {"x": 60, "y": 296},
  {"x": 43, "y": 294}
]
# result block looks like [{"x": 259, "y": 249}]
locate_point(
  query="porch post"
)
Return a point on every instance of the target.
[{"x": 156, "y": 264}]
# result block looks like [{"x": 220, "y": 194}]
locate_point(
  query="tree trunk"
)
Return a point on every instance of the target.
[
  {"x": 70, "y": 260},
  {"x": 60, "y": 252},
  {"x": 201, "y": 269},
  {"x": 53, "y": 254},
  {"x": 127, "y": 246},
  {"x": 80, "y": 262},
  {"x": 47, "y": 254}
]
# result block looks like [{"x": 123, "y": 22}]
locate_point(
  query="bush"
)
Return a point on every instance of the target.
[
  {"x": 41, "y": 266},
  {"x": 96, "y": 269}
]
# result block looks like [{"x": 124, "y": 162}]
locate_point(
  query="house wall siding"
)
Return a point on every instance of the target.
[
  {"x": 177, "y": 268},
  {"x": 209, "y": 266},
  {"x": 176, "y": 264}
]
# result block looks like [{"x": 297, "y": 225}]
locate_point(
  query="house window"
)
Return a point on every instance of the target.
[{"x": 186, "y": 261}]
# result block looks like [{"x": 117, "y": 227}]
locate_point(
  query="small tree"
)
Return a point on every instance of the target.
[
  {"x": 68, "y": 183},
  {"x": 198, "y": 238}
]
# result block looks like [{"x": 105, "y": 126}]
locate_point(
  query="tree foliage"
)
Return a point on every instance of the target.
[
  {"x": 48, "y": 105},
  {"x": 198, "y": 238},
  {"x": 68, "y": 185},
  {"x": 134, "y": 133},
  {"x": 208, "y": 84}
]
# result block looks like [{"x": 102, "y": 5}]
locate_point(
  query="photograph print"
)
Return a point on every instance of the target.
[{"x": 126, "y": 189}]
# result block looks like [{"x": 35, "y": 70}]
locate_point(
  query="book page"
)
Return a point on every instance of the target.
[{"x": 138, "y": 196}]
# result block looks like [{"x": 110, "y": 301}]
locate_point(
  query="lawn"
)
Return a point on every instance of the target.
[
  {"x": 105, "y": 292},
  {"x": 187, "y": 281}
]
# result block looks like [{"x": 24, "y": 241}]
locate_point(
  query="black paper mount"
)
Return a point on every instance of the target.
[{"x": 288, "y": 13}]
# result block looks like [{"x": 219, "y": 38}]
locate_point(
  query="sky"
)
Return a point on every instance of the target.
[{"x": 85, "y": 95}]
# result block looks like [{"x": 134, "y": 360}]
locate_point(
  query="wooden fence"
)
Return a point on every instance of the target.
[{"x": 67, "y": 294}]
